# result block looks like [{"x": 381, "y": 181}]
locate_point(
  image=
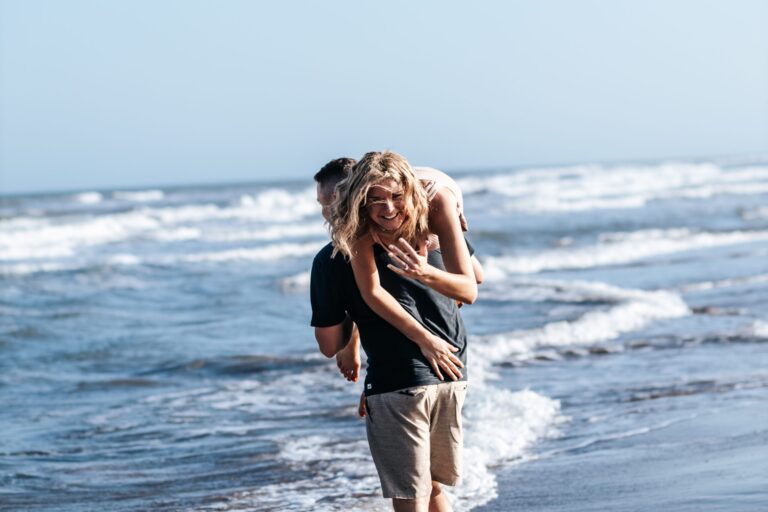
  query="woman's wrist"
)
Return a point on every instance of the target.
[{"x": 427, "y": 277}]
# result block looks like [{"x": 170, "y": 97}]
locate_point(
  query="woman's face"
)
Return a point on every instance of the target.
[{"x": 385, "y": 205}]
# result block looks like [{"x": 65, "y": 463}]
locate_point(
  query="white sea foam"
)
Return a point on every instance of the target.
[
  {"x": 760, "y": 329},
  {"x": 177, "y": 234},
  {"x": 270, "y": 252},
  {"x": 140, "y": 196},
  {"x": 724, "y": 283},
  {"x": 296, "y": 283},
  {"x": 22, "y": 223},
  {"x": 88, "y": 198},
  {"x": 281, "y": 204},
  {"x": 756, "y": 213},
  {"x": 266, "y": 253},
  {"x": 343, "y": 478},
  {"x": 591, "y": 187},
  {"x": 63, "y": 238},
  {"x": 617, "y": 248},
  {"x": 123, "y": 259},
  {"x": 20, "y": 269},
  {"x": 500, "y": 426},
  {"x": 534, "y": 289},
  {"x": 630, "y": 310},
  {"x": 49, "y": 238},
  {"x": 269, "y": 233},
  {"x": 272, "y": 205}
]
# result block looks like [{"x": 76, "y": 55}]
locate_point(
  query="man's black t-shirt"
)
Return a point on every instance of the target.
[{"x": 394, "y": 361}]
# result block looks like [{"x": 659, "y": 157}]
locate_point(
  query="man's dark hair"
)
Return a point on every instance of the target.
[{"x": 334, "y": 171}]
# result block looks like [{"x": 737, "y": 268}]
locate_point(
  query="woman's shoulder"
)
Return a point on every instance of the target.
[
  {"x": 430, "y": 174},
  {"x": 365, "y": 241},
  {"x": 436, "y": 182}
]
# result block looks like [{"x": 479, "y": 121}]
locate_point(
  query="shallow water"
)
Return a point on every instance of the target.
[{"x": 156, "y": 350}]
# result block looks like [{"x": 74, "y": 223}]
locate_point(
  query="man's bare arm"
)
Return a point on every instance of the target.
[{"x": 334, "y": 338}]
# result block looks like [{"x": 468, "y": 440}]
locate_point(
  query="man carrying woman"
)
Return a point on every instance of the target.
[{"x": 402, "y": 267}]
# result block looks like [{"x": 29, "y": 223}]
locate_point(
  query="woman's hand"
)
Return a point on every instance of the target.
[
  {"x": 408, "y": 262},
  {"x": 440, "y": 354}
]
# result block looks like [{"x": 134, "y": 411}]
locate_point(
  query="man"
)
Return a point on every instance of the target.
[
  {"x": 347, "y": 360},
  {"x": 413, "y": 418}
]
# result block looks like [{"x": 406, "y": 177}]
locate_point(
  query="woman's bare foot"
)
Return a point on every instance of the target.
[{"x": 348, "y": 361}]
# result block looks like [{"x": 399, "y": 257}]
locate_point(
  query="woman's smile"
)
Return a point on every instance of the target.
[{"x": 385, "y": 205}]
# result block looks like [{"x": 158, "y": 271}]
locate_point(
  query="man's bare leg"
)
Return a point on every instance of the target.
[
  {"x": 437, "y": 502},
  {"x": 417, "y": 505}
]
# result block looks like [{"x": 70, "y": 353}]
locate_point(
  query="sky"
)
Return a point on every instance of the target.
[{"x": 129, "y": 94}]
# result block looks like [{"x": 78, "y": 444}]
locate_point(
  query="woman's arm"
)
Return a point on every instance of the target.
[
  {"x": 438, "y": 352},
  {"x": 458, "y": 280},
  {"x": 477, "y": 268},
  {"x": 348, "y": 359}
]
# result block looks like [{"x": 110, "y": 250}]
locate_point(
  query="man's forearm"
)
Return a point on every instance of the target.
[{"x": 331, "y": 340}]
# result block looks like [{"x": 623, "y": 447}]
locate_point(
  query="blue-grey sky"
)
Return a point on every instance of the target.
[{"x": 100, "y": 94}]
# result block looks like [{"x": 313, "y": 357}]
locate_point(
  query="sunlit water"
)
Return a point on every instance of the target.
[{"x": 156, "y": 353}]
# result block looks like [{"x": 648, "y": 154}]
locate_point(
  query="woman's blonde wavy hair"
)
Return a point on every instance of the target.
[{"x": 350, "y": 220}]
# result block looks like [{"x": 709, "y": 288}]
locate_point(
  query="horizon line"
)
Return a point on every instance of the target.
[{"x": 739, "y": 159}]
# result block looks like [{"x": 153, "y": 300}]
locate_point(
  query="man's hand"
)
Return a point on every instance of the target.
[
  {"x": 408, "y": 262},
  {"x": 440, "y": 354},
  {"x": 361, "y": 406}
]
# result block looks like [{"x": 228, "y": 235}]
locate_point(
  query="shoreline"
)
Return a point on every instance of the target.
[{"x": 714, "y": 460}]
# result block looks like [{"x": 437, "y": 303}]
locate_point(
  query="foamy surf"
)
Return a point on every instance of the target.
[
  {"x": 759, "y": 329},
  {"x": 270, "y": 252},
  {"x": 139, "y": 196},
  {"x": 724, "y": 283},
  {"x": 616, "y": 249},
  {"x": 594, "y": 187},
  {"x": 88, "y": 198},
  {"x": 273, "y": 252},
  {"x": 500, "y": 426},
  {"x": 296, "y": 283},
  {"x": 755, "y": 213},
  {"x": 81, "y": 238},
  {"x": 632, "y": 310},
  {"x": 275, "y": 427},
  {"x": 278, "y": 232}
]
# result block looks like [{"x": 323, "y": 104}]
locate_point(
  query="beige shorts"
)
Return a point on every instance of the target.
[{"x": 415, "y": 437}]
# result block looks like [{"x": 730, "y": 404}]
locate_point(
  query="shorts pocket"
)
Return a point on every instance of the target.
[{"x": 415, "y": 391}]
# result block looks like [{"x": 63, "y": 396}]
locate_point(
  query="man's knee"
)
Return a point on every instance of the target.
[{"x": 436, "y": 489}]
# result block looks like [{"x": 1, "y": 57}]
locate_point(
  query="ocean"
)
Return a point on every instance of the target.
[{"x": 156, "y": 354}]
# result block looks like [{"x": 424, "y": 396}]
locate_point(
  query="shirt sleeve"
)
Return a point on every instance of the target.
[{"x": 327, "y": 302}]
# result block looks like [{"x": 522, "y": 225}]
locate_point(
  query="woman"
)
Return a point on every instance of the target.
[{"x": 383, "y": 202}]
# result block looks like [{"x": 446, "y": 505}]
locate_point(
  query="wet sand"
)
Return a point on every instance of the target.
[{"x": 716, "y": 460}]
